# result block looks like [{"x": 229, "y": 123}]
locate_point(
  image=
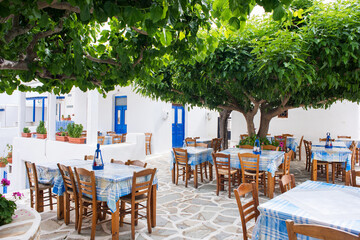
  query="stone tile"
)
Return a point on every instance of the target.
[
  {"x": 199, "y": 232},
  {"x": 224, "y": 221}
]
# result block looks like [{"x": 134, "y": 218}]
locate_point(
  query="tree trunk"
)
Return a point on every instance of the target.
[
  {"x": 223, "y": 123},
  {"x": 264, "y": 124},
  {"x": 250, "y": 123}
]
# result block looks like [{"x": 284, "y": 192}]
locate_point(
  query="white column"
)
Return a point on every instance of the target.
[
  {"x": 51, "y": 116},
  {"x": 21, "y": 112},
  {"x": 92, "y": 117}
]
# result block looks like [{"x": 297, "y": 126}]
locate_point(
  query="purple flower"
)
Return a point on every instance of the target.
[
  {"x": 18, "y": 195},
  {"x": 5, "y": 182}
]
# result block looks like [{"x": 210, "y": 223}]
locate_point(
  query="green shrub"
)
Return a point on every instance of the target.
[
  {"x": 41, "y": 128},
  {"x": 74, "y": 130},
  {"x": 7, "y": 209},
  {"x": 26, "y": 130},
  {"x": 263, "y": 141}
]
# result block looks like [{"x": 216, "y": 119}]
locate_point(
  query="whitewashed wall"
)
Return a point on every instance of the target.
[
  {"x": 342, "y": 118},
  {"x": 200, "y": 124}
]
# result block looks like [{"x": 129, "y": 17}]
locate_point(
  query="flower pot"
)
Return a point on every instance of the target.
[
  {"x": 77, "y": 140},
  {"x": 26, "y": 135},
  {"x": 62, "y": 138},
  {"x": 41, "y": 136}
]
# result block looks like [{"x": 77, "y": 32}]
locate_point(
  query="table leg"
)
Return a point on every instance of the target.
[
  {"x": 333, "y": 167},
  {"x": 210, "y": 171},
  {"x": 222, "y": 186},
  {"x": 173, "y": 173},
  {"x": 153, "y": 206},
  {"x": 66, "y": 208},
  {"x": 115, "y": 222},
  {"x": 347, "y": 178},
  {"x": 271, "y": 183},
  {"x": 39, "y": 201},
  {"x": 314, "y": 170},
  {"x": 195, "y": 177},
  {"x": 60, "y": 207}
]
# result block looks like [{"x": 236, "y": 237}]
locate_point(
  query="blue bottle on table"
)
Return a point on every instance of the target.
[
  {"x": 328, "y": 143},
  {"x": 257, "y": 148},
  {"x": 98, "y": 163}
]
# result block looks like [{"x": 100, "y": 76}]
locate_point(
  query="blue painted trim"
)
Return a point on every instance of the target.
[
  {"x": 60, "y": 97},
  {"x": 43, "y": 97},
  {"x": 59, "y": 111},
  {"x": 43, "y": 110},
  {"x": 34, "y": 110},
  {"x": 5, "y": 187},
  {"x": 2, "y": 110}
]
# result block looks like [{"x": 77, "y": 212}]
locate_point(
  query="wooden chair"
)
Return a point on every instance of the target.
[
  {"x": 347, "y": 137},
  {"x": 287, "y": 135},
  {"x": 70, "y": 194},
  {"x": 181, "y": 162},
  {"x": 37, "y": 190},
  {"x": 101, "y": 140},
  {"x": 243, "y": 136},
  {"x": 338, "y": 167},
  {"x": 116, "y": 138},
  {"x": 287, "y": 182},
  {"x": 89, "y": 157},
  {"x": 250, "y": 169},
  {"x": 148, "y": 142},
  {"x": 324, "y": 140},
  {"x": 203, "y": 145},
  {"x": 354, "y": 174},
  {"x": 136, "y": 163},
  {"x": 307, "y": 145},
  {"x": 249, "y": 210},
  {"x": 190, "y": 142},
  {"x": 203, "y": 166},
  {"x": 299, "y": 147},
  {"x": 317, "y": 231},
  {"x": 110, "y": 132},
  {"x": 117, "y": 161},
  {"x": 140, "y": 193},
  {"x": 270, "y": 147},
  {"x": 216, "y": 144},
  {"x": 224, "y": 173},
  {"x": 285, "y": 166},
  {"x": 123, "y": 137},
  {"x": 86, "y": 185},
  {"x": 282, "y": 140},
  {"x": 246, "y": 146}
]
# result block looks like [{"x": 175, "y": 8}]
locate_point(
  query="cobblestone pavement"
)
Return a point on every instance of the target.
[{"x": 182, "y": 213}]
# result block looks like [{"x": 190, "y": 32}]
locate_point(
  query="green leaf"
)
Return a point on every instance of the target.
[
  {"x": 156, "y": 13},
  {"x": 85, "y": 13},
  {"x": 279, "y": 12},
  {"x": 234, "y": 23}
]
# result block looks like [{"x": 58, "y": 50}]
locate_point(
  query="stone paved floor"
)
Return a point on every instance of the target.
[{"x": 182, "y": 213}]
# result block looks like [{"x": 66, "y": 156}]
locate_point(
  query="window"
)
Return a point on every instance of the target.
[{"x": 121, "y": 101}]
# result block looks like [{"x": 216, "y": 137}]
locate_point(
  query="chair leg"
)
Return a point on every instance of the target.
[
  {"x": 334, "y": 169},
  {"x": 148, "y": 217},
  {"x": 217, "y": 185},
  {"x": 136, "y": 213},
  {"x": 66, "y": 208},
  {"x": 201, "y": 172},
  {"x": 81, "y": 212},
  {"x": 186, "y": 176},
  {"x": 76, "y": 213},
  {"x": 177, "y": 174},
  {"x": 264, "y": 181},
  {"x": 327, "y": 172},
  {"x": 205, "y": 169},
  {"x": 93, "y": 221},
  {"x": 31, "y": 198},
  {"x": 229, "y": 180},
  {"x": 122, "y": 213},
  {"x": 132, "y": 221},
  {"x": 51, "y": 199}
]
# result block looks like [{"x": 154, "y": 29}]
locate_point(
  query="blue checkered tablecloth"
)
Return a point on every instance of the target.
[
  {"x": 332, "y": 155},
  {"x": 290, "y": 142},
  {"x": 269, "y": 160},
  {"x": 334, "y": 144},
  {"x": 349, "y": 141},
  {"x": 196, "y": 156},
  {"x": 271, "y": 222},
  {"x": 113, "y": 182}
]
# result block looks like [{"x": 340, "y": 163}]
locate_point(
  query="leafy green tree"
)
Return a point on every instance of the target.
[
  {"x": 272, "y": 67},
  {"x": 101, "y": 43}
]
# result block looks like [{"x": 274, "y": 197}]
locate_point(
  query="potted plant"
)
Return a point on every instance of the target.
[
  {"x": 7, "y": 207},
  {"x": 9, "y": 147},
  {"x": 41, "y": 131},
  {"x": 62, "y": 135},
  {"x": 26, "y": 132},
  {"x": 74, "y": 132},
  {"x": 3, "y": 162}
]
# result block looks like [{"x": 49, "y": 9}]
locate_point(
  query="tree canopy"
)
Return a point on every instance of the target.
[
  {"x": 311, "y": 60},
  {"x": 102, "y": 43}
]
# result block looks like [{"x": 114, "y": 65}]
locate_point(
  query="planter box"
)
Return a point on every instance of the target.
[
  {"x": 26, "y": 135},
  {"x": 62, "y": 138},
  {"x": 77, "y": 140},
  {"x": 41, "y": 136}
]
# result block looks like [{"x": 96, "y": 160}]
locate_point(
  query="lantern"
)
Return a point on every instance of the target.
[
  {"x": 257, "y": 149},
  {"x": 328, "y": 143},
  {"x": 98, "y": 163}
]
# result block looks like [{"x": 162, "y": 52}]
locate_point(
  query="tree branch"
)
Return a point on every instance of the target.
[
  {"x": 59, "y": 5},
  {"x": 139, "y": 31},
  {"x": 3, "y": 20},
  {"x": 16, "y": 30},
  {"x": 140, "y": 57},
  {"x": 107, "y": 61},
  {"x": 12, "y": 65}
]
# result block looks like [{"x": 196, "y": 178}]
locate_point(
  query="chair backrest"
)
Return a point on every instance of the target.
[
  {"x": 287, "y": 182},
  {"x": 190, "y": 142},
  {"x": 31, "y": 173},
  {"x": 353, "y": 145},
  {"x": 353, "y": 156},
  {"x": 282, "y": 142},
  {"x": 287, "y": 160},
  {"x": 116, "y": 138},
  {"x": 138, "y": 187},
  {"x": 86, "y": 183},
  {"x": 287, "y": 135},
  {"x": 89, "y": 157},
  {"x": 216, "y": 144},
  {"x": 204, "y": 145},
  {"x": 348, "y": 137},
  {"x": 317, "y": 231},
  {"x": 301, "y": 141},
  {"x": 246, "y": 146},
  {"x": 101, "y": 140},
  {"x": 181, "y": 156},
  {"x": 243, "y": 136},
  {"x": 117, "y": 161},
  {"x": 123, "y": 137},
  {"x": 354, "y": 174},
  {"x": 136, "y": 163},
  {"x": 68, "y": 178},
  {"x": 307, "y": 145},
  {"x": 324, "y": 140},
  {"x": 249, "y": 210},
  {"x": 148, "y": 137},
  {"x": 270, "y": 147},
  {"x": 249, "y": 162},
  {"x": 110, "y": 132},
  {"x": 222, "y": 162}
]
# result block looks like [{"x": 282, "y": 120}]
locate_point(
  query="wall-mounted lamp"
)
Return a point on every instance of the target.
[{"x": 165, "y": 114}]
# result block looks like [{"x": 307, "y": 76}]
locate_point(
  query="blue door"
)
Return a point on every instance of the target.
[
  {"x": 178, "y": 126},
  {"x": 120, "y": 114}
]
